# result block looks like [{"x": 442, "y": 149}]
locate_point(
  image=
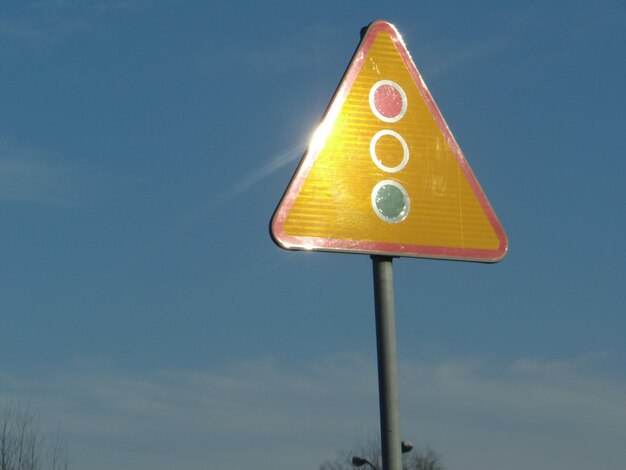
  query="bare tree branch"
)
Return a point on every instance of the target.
[{"x": 21, "y": 442}]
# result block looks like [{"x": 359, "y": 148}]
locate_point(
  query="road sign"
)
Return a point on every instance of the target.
[{"x": 383, "y": 174}]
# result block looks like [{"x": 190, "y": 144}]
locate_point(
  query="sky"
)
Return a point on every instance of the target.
[{"x": 146, "y": 313}]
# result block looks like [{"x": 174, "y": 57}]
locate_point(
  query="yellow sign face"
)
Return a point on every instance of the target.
[{"x": 383, "y": 174}]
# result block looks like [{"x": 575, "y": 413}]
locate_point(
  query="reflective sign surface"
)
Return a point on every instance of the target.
[{"x": 383, "y": 174}]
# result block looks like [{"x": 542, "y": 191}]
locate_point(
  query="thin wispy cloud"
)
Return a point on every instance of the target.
[
  {"x": 450, "y": 59},
  {"x": 478, "y": 415},
  {"x": 222, "y": 196},
  {"x": 15, "y": 30},
  {"x": 242, "y": 185},
  {"x": 43, "y": 25},
  {"x": 86, "y": 5},
  {"x": 307, "y": 48},
  {"x": 573, "y": 27},
  {"x": 28, "y": 176},
  {"x": 274, "y": 164}
]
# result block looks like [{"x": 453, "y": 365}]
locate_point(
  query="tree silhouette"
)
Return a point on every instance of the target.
[{"x": 22, "y": 446}]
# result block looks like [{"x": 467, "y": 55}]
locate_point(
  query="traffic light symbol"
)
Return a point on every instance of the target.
[{"x": 390, "y": 199}]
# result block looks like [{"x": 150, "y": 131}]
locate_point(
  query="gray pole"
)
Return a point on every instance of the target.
[{"x": 387, "y": 363}]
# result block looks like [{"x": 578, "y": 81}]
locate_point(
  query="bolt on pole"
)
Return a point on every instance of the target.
[{"x": 387, "y": 363}]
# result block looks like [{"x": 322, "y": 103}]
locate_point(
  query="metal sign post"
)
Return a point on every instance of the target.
[{"x": 387, "y": 362}]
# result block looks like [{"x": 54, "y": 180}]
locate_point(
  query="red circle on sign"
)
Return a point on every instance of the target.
[{"x": 388, "y": 101}]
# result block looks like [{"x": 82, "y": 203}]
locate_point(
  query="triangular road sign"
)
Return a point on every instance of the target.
[{"x": 383, "y": 173}]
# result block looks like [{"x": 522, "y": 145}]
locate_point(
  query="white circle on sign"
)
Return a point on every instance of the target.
[
  {"x": 388, "y": 101},
  {"x": 390, "y": 201},
  {"x": 378, "y": 162}
]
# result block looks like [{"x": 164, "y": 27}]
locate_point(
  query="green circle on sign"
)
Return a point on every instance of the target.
[{"x": 390, "y": 201}]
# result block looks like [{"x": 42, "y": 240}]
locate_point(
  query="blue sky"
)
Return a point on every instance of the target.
[{"x": 145, "y": 311}]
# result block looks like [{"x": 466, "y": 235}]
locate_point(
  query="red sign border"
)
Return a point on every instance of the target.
[{"x": 291, "y": 242}]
